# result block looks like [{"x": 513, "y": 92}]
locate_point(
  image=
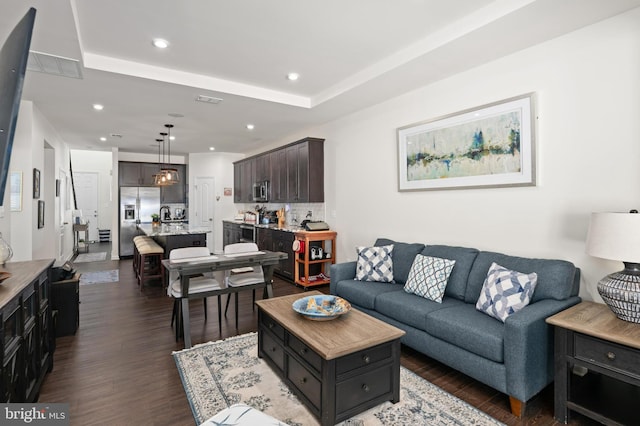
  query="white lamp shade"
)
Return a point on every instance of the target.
[{"x": 615, "y": 236}]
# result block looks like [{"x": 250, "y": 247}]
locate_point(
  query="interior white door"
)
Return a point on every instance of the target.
[
  {"x": 86, "y": 186},
  {"x": 205, "y": 204}
]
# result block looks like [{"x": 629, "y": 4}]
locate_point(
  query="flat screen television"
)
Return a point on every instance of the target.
[{"x": 13, "y": 66}]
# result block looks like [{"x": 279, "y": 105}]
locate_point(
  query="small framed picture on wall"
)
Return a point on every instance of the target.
[{"x": 36, "y": 183}]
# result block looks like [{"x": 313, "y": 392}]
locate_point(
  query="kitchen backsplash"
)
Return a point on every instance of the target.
[{"x": 296, "y": 213}]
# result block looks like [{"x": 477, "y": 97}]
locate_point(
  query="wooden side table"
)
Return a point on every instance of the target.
[
  {"x": 597, "y": 365},
  {"x": 77, "y": 244}
]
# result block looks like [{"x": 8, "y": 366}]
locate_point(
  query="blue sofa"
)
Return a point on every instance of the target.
[{"x": 514, "y": 357}]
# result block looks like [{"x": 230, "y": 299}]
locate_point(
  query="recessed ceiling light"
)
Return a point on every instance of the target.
[
  {"x": 208, "y": 99},
  {"x": 211, "y": 148},
  {"x": 250, "y": 127},
  {"x": 176, "y": 115},
  {"x": 173, "y": 138},
  {"x": 98, "y": 107},
  {"x": 160, "y": 43},
  {"x": 293, "y": 76},
  {"x": 103, "y": 139}
]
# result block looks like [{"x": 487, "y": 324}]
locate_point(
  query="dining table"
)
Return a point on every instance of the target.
[{"x": 194, "y": 267}]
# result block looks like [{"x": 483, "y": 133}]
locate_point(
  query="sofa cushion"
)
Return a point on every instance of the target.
[
  {"x": 409, "y": 308},
  {"x": 555, "y": 277},
  {"x": 403, "y": 255},
  {"x": 505, "y": 292},
  {"x": 428, "y": 277},
  {"x": 464, "y": 258},
  {"x": 363, "y": 293},
  {"x": 469, "y": 329},
  {"x": 375, "y": 264}
]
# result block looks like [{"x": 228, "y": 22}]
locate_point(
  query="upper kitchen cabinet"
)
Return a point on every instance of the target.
[
  {"x": 175, "y": 193},
  {"x": 243, "y": 179},
  {"x": 305, "y": 171},
  {"x": 295, "y": 173},
  {"x": 278, "y": 182},
  {"x": 137, "y": 174}
]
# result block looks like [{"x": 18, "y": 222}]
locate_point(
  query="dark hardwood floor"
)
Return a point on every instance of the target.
[{"x": 118, "y": 368}]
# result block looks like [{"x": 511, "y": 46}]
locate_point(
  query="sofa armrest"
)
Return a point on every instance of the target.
[
  {"x": 528, "y": 347},
  {"x": 339, "y": 272}
]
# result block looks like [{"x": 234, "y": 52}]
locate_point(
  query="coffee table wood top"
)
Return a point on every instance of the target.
[{"x": 346, "y": 334}]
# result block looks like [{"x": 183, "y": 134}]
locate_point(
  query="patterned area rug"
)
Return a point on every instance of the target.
[
  {"x": 90, "y": 257},
  {"x": 218, "y": 374},
  {"x": 98, "y": 277}
]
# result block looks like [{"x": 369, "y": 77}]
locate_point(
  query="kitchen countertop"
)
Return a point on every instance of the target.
[{"x": 165, "y": 230}]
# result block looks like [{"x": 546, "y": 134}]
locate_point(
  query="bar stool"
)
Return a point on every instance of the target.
[
  {"x": 138, "y": 239},
  {"x": 150, "y": 261}
]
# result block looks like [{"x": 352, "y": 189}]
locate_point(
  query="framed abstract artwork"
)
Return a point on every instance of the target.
[
  {"x": 40, "y": 214},
  {"x": 36, "y": 183},
  {"x": 489, "y": 146}
]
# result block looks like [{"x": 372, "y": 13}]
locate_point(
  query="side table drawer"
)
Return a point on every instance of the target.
[
  {"x": 273, "y": 349},
  {"x": 363, "y": 358},
  {"x": 305, "y": 382},
  {"x": 362, "y": 388},
  {"x": 606, "y": 354}
]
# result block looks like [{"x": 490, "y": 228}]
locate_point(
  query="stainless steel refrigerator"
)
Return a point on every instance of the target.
[{"x": 137, "y": 204}]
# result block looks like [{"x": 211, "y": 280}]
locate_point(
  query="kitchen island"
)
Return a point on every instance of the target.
[{"x": 176, "y": 235}]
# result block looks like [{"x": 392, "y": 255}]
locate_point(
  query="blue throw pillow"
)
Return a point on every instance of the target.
[
  {"x": 428, "y": 277},
  {"x": 505, "y": 292},
  {"x": 375, "y": 264}
]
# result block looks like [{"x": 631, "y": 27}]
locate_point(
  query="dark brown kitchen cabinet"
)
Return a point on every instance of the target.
[
  {"x": 231, "y": 233},
  {"x": 295, "y": 173},
  {"x": 26, "y": 335},
  {"x": 137, "y": 174},
  {"x": 175, "y": 193},
  {"x": 278, "y": 183},
  {"x": 283, "y": 241},
  {"x": 243, "y": 178},
  {"x": 264, "y": 238}
]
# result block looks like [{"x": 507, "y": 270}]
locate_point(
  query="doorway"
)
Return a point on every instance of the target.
[
  {"x": 203, "y": 215},
  {"x": 86, "y": 186}
]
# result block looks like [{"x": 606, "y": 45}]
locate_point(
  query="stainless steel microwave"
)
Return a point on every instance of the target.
[{"x": 261, "y": 191}]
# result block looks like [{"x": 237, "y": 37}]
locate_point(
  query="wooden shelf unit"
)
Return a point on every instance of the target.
[{"x": 303, "y": 260}]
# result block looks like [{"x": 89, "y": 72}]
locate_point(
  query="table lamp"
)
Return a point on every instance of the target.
[{"x": 616, "y": 236}]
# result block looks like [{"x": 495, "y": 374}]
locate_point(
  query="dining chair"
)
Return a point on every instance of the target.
[
  {"x": 242, "y": 276},
  {"x": 205, "y": 283}
]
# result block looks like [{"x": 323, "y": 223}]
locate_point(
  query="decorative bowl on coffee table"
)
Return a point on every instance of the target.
[{"x": 322, "y": 307}]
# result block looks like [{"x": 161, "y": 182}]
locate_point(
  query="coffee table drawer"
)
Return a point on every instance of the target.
[
  {"x": 271, "y": 325},
  {"x": 273, "y": 349},
  {"x": 305, "y": 352},
  {"x": 363, "y": 358},
  {"x": 305, "y": 382},
  {"x": 364, "y": 387}
]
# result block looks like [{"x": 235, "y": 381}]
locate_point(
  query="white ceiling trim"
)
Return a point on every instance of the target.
[
  {"x": 454, "y": 31},
  {"x": 168, "y": 75}
]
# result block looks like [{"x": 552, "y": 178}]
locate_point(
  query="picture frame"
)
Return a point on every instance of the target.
[
  {"x": 489, "y": 146},
  {"x": 36, "y": 183},
  {"x": 40, "y": 214},
  {"x": 57, "y": 187}
]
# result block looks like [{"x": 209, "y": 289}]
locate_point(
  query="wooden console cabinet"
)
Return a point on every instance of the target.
[
  {"x": 597, "y": 365},
  {"x": 26, "y": 354}
]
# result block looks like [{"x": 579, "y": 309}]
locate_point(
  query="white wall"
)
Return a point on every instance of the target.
[
  {"x": 219, "y": 166},
  {"x": 588, "y": 90}
]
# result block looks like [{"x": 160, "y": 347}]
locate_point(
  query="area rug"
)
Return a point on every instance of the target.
[
  {"x": 90, "y": 257},
  {"x": 218, "y": 374},
  {"x": 98, "y": 277}
]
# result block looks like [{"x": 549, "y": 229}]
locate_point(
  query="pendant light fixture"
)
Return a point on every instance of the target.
[
  {"x": 159, "y": 178},
  {"x": 171, "y": 174}
]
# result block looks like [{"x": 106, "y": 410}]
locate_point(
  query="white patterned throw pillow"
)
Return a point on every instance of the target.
[
  {"x": 505, "y": 292},
  {"x": 428, "y": 277},
  {"x": 375, "y": 264}
]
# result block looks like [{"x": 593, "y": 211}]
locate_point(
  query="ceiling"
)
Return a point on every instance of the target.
[{"x": 349, "y": 55}]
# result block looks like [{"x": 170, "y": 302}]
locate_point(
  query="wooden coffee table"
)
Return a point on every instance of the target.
[{"x": 338, "y": 368}]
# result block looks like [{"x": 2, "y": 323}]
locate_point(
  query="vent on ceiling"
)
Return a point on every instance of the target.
[
  {"x": 208, "y": 99},
  {"x": 56, "y": 65}
]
